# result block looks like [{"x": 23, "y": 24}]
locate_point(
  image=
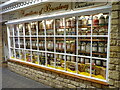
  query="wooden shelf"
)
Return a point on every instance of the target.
[
  {"x": 98, "y": 53},
  {"x": 82, "y": 27},
  {"x": 96, "y": 40},
  {"x": 59, "y": 72}
]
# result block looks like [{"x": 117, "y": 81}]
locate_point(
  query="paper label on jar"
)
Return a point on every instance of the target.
[
  {"x": 82, "y": 48},
  {"x": 78, "y": 47},
  {"x": 104, "y": 63},
  {"x": 56, "y": 45},
  {"x": 94, "y": 48},
  {"x": 68, "y": 46},
  {"x": 72, "y": 58},
  {"x": 86, "y": 60},
  {"x": 101, "y": 21},
  {"x": 63, "y": 57},
  {"x": 101, "y": 49},
  {"x": 82, "y": 59},
  {"x": 98, "y": 62},
  {"x": 68, "y": 57}
]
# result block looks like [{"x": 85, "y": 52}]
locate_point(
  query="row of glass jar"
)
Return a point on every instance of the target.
[
  {"x": 69, "y": 31},
  {"x": 97, "y": 46},
  {"x": 98, "y": 66}
]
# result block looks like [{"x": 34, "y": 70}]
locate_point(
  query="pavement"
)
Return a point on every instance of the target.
[{"x": 14, "y": 80}]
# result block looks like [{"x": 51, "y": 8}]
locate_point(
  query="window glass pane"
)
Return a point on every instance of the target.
[
  {"x": 84, "y": 66},
  {"x": 50, "y": 27},
  {"x": 59, "y": 26},
  {"x": 50, "y": 60},
  {"x": 41, "y": 28},
  {"x": 84, "y": 45},
  {"x": 99, "y": 69},
  {"x": 34, "y": 43},
  {"x": 84, "y": 25},
  {"x": 42, "y": 59},
  {"x": 70, "y": 26},
  {"x": 35, "y": 57},
  {"x": 41, "y": 43},
  {"x": 71, "y": 64},
  {"x": 60, "y": 62}
]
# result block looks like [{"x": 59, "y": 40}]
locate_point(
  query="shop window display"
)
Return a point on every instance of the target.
[{"x": 76, "y": 44}]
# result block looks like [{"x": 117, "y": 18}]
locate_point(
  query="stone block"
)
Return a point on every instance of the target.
[
  {"x": 57, "y": 82},
  {"x": 82, "y": 85},
  {"x": 74, "y": 83},
  {"x": 115, "y": 35},
  {"x": 115, "y": 21},
  {"x": 113, "y": 42},
  {"x": 118, "y": 42},
  {"x": 115, "y": 7},
  {"x": 66, "y": 80},
  {"x": 55, "y": 74},
  {"x": 64, "y": 84},
  {"x": 118, "y": 67},
  {"x": 59, "y": 78},
  {"x": 115, "y": 28},
  {"x": 112, "y": 87},
  {"x": 52, "y": 76},
  {"x": 42, "y": 77},
  {"x": 114, "y": 48},
  {"x": 96, "y": 85},
  {"x": 114, "y": 74},
  {"x": 71, "y": 86},
  {"x": 105, "y": 87},
  {"x": 114, "y": 55},
  {"x": 58, "y": 86},
  {"x": 88, "y": 86},
  {"x": 114, "y": 61},
  {"x": 111, "y": 81},
  {"x": 48, "y": 79},
  {"x": 117, "y": 84},
  {"x": 115, "y": 14},
  {"x": 111, "y": 66},
  {"x": 46, "y": 74}
]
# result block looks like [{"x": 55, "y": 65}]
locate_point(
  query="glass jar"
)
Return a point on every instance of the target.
[
  {"x": 68, "y": 46},
  {"x": 73, "y": 23},
  {"x": 68, "y": 22},
  {"x": 101, "y": 47},
  {"x": 95, "y": 21},
  {"x": 79, "y": 22},
  {"x": 98, "y": 62},
  {"x": 102, "y": 20},
  {"x": 87, "y": 60},
  {"x": 107, "y": 20},
  {"x": 89, "y": 22},
  {"x": 83, "y": 46},
  {"x": 72, "y": 46},
  {"x": 88, "y": 45},
  {"x": 84, "y": 21},
  {"x": 82, "y": 60},
  {"x": 94, "y": 47}
]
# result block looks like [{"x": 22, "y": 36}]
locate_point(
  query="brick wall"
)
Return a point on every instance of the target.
[{"x": 114, "y": 63}]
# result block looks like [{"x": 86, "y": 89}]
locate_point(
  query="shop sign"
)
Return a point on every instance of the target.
[
  {"x": 45, "y": 8},
  {"x": 82, "y": 5}
]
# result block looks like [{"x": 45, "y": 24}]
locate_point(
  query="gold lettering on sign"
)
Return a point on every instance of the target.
[{"x": 47, "y": 8}]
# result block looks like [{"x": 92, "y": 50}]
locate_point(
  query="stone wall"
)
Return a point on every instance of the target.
[
  {"x": 50, "y": 78},
  {"x": 114, "y": 63}
]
